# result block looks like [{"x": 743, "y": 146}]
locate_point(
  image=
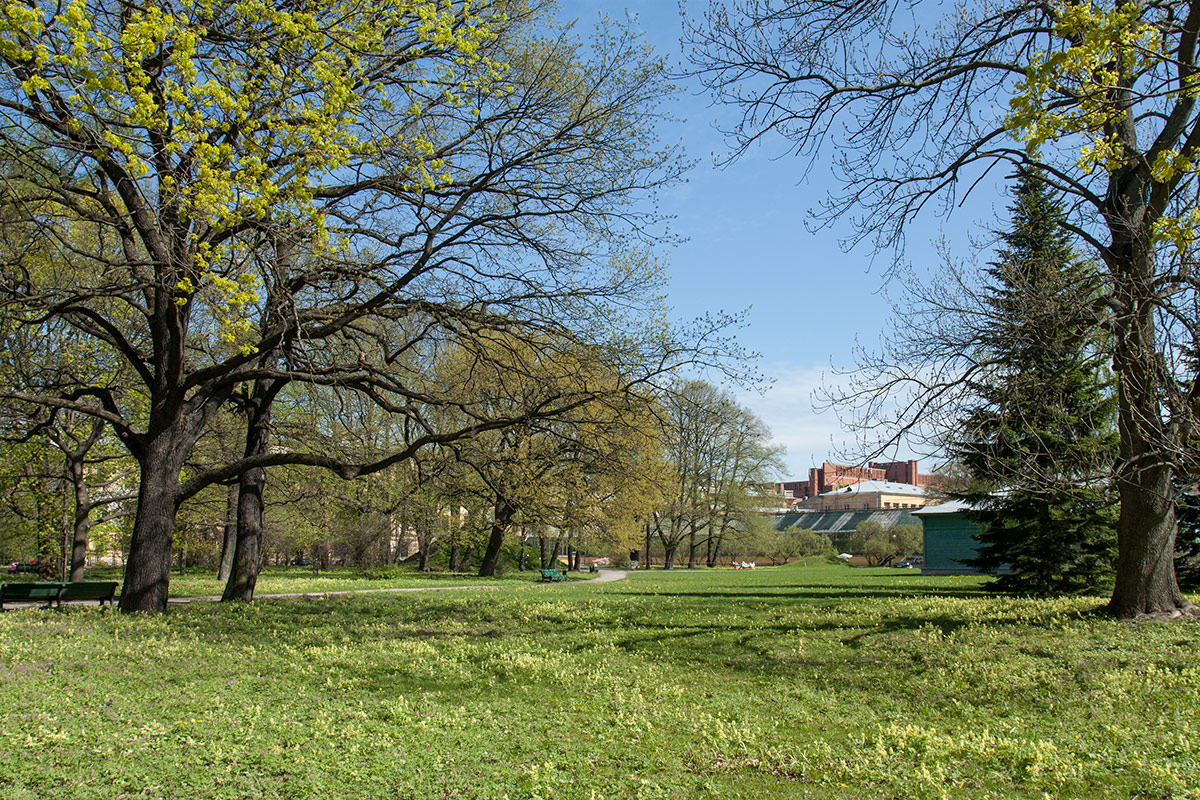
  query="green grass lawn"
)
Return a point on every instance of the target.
[
  {"x": 822, "y": 682},
  {"x": 288, "y": 580}
]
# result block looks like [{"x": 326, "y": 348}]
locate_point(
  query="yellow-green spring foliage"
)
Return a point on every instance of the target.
[
  {"x": 217, "y": 115},
  {"x": 1109, "y": 64}
]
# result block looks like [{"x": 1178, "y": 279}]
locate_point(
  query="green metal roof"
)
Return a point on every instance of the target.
[{"x": 844, "y": 521}]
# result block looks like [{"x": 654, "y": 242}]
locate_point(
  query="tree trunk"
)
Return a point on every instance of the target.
[
  {"x": 502, "y": 517},
  {"x": 83, "y": 522},
  {"x": 1145, "y": 579},
  {"x": 424, "y": 546},
  {"x": 669, "y": 556},
  {"x": 714, "y": 553},
  {"x": 247, "y": 553},
  {"x": 148, "y": 568},
  {"x": 468, "y": 554},
  {"x": 543, "y": 552},
  {"x": 229, "y": 540},
  {"x": 691, "y": 550},
  {"x": 1146, "y": 528},
  {"x": 521, "y": 555}
]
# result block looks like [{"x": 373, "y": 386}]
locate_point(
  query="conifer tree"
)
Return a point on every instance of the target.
[{"x": 1039, "y": 439}]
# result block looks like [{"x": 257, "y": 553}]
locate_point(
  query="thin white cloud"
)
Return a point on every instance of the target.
[{"x": 787, "y": 407}]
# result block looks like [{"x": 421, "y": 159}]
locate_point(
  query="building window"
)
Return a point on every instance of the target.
[{"x": 846, "y": 507}]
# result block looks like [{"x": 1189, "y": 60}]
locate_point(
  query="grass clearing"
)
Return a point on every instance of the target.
[
  {"x": 291, "y": 580},
  {"x": 822, "y": 682}
]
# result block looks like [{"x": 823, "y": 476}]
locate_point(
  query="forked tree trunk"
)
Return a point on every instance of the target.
[{"x": 502, "y": 517}]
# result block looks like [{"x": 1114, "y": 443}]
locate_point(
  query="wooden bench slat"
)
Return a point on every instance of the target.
[
  {"x": 104, "y": 591},
  {"x": 56, "y": 593},
  {"x": 29, "y": 593}
]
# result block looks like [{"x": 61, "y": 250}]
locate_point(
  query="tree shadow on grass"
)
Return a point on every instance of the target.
[{"x": 823, "y": 592}]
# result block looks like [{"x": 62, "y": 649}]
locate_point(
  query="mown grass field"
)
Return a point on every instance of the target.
[
  {"x": 292, "y": 580},
  {"x": 793, "y": 682}
]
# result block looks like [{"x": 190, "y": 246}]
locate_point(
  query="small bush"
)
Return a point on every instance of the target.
[{"x": 387, "y": 572}]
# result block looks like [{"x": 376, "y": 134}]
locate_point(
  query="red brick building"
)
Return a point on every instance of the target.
[{"x": 829, "y": 477}]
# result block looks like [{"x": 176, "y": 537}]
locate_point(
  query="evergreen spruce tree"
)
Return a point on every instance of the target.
[
  {"x": 1039, "y": 439},
  {"x": 1187, "y": 541}
]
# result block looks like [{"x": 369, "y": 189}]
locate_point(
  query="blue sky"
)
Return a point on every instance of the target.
[{"x": 747, "y": 247}]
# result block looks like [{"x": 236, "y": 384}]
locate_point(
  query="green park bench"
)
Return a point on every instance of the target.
[
  {"x": 29, "y": 593},
  {"x": 104, "y": 591},
  {"x": 553, "y": 575},
  {"x": 53, "y": 594}
]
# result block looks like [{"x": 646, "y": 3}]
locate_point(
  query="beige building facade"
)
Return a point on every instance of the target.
[{"x": 871, "y": 496}]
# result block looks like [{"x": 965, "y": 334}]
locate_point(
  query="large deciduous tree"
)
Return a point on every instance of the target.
[
  {"x": 1098, "y": 96},
  {"x": 228, "y": 192}
]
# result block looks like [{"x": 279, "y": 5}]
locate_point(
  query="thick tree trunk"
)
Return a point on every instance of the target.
[
  {"x": 502, "y": 517},
  {"x": 691, "y": 550},
  {"x": 148, "y": 568},
  {"x": 229, "y": 540},
  {"x": 669, "y": 556},
  {"x": 247, "y": 554},
  {"x": 1146, "y": 528},
  {"x": 1145, "y": 580},
  {"x": 543, "y": 552}
]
